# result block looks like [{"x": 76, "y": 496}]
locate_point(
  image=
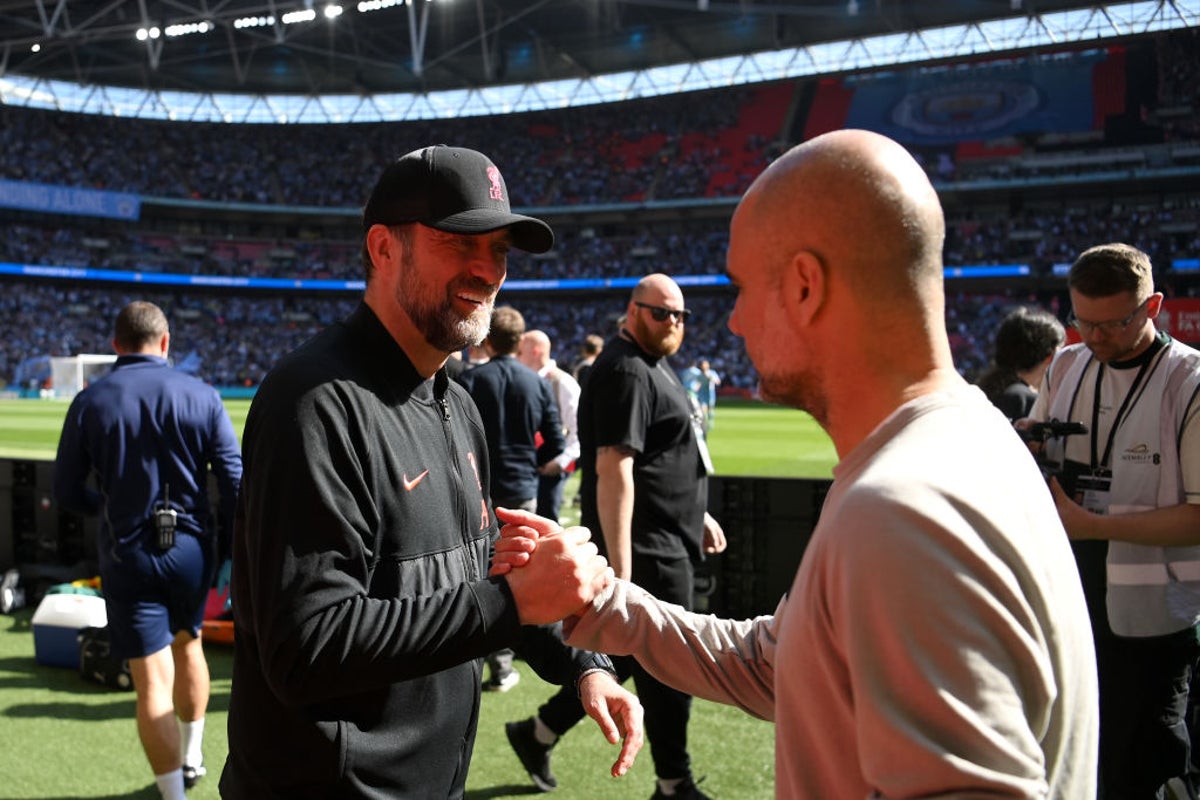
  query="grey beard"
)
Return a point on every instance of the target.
[
  {"x": 450, "y": 334},
  {"x": 436, "y": 319}
]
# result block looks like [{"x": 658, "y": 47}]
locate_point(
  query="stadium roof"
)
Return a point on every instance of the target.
[{"x": 266, "y": 60}]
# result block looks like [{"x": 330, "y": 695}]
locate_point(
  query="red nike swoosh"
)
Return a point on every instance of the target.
[{"x": 410, "y": 485}]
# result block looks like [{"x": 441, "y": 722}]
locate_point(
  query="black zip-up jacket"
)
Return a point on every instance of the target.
[{"x": 361, "y": 599}]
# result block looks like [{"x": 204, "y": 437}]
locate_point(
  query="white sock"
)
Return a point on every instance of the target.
[
  {"x": 667, "y": 785},
  {"x": 170, "y": 785},
  {"x": 191, "y": 734},
  {"x": 543, "y": 733}
]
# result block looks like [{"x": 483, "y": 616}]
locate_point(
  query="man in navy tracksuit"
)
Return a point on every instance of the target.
[
  {"x": 520, "y": 419},
  {"x": 147, "y": 435},
  {"x": 363, "y": 532}
]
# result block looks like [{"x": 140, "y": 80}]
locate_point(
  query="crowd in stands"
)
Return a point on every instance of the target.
[
  {"x": 1167, "y": 228},
  {"x": 599, "y": 154},
  {"x": 686, "y": 146},
  {"x": 234, "y": 339},
  {"x": 678, "y": 148},
  {"x": 239, "y": 335}
]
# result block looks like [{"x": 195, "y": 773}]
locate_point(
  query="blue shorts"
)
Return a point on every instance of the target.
[{"x": 151, "y": 596}]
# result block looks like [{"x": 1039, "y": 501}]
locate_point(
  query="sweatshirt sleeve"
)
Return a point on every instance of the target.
[
  {"x": 72, "y": 465},
  {"x": 726, "y": 661}
]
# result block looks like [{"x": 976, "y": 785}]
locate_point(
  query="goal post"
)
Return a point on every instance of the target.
[{"x": 70, "y": 374}]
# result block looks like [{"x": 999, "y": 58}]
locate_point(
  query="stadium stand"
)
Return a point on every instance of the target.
[{"x": 640, "y": 186}]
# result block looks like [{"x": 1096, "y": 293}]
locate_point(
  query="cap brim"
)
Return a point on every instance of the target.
[{"x": 528, "y": 233}]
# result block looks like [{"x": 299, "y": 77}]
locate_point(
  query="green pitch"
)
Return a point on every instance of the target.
[
  {"x": 46, "y": 709},
  {"x": 748, "y": 438}
]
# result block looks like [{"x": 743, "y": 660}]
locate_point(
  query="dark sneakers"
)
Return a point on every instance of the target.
[
  {"x": 535, "y": 756},
  {"x": 686, "y": 790},
  {"x": 192, "y": 775}
]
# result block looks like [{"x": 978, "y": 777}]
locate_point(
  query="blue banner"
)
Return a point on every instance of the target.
[
  {"x": 67, "y": 200},
  {"x": 944, "y": 105}
]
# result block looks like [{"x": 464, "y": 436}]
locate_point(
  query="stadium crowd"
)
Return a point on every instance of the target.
[
  {"x": 585, "y": 155},
  {"x": 238, "y": 336},
  {"x": 232, "y": 340},
  {"x": 682, "y": 148},
  {"x": 660, "y": 148},
  {"x": 1167, "y": 228}
]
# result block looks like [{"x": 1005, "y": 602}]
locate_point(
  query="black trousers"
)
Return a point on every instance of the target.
[
  {"x": 1144, "y": 738},
  {"x": 667, "y": 710},
  {"x": 550, "y": 494}
]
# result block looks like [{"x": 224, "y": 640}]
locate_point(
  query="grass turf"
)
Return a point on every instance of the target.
[
  {"x": 748, "y": 438},
  {"x": 62, "y": 737}
]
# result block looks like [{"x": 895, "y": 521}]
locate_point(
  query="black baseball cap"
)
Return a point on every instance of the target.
[{"x": 455, "y": 190}]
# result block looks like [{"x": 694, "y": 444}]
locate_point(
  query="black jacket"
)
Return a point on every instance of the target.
[
  {"x": 515, "y": 404},
  {"x": 361, "y": 599}
]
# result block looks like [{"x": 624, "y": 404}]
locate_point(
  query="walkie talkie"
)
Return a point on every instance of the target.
[{"x": 164, "y": 521}]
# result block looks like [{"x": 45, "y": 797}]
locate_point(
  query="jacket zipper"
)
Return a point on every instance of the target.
[{"x": 460, "y": 495}]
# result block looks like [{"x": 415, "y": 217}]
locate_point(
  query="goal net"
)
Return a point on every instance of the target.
[{"x": 70, "y": 374}]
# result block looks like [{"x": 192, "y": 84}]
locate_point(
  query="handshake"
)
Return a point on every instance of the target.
[{"x": 553, "y": 572}]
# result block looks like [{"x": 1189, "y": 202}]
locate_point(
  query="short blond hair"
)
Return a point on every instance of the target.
[{"x": 1108, "y": 269}]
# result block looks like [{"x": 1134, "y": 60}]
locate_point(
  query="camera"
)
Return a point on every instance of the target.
[
  {"x": 1052, "y": 429},
  {"x": 1042, "y": 432}
]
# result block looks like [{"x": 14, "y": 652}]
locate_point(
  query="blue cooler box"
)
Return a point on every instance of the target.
[{"x": 56, "y": 626}]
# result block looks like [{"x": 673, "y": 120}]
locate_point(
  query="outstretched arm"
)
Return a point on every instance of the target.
[{"x": 726, "y": 661}]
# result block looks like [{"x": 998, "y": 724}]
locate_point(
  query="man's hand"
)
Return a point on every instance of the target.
[
  {"x": 714, "y": 535},
  {"x": 618, "y": 713},
  {"x": 564, "y": 572},
  {"x": 551, "y": 469},
  {"x": 518, "y": 538},
  {"x": 1075, "y": 518},
  {"x": 1023, "y": 426}
]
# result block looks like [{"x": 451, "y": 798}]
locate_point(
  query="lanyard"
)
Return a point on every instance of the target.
[{"x": 1122, "y": 412}]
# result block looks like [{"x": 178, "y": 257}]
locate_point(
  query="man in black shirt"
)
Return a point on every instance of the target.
[
  {"x": 644, "y": 486},
  {"x": 363, "y": 530}
]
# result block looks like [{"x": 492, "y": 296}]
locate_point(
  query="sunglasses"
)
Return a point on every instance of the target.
[{"x": 660, "y": 314}]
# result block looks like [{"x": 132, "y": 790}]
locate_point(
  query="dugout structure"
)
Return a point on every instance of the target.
[{"x": 70, "y": 374}]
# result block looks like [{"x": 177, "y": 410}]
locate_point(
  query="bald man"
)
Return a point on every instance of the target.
[
  {"x": 644, "y": 491},
  {"x": 935, "y": 641},
  {"x": 534, "y": 352}
]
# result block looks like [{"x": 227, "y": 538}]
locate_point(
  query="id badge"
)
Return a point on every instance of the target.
[{"x": 1092, "y": 491}]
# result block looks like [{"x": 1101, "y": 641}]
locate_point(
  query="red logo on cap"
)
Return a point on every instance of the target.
[{"x": 497, "y": 190}]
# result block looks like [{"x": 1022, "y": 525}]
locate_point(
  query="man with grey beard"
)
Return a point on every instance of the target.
[{"x": 364, "y": 531}]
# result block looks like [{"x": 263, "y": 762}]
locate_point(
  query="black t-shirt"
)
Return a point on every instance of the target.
[
  {"x": 636, "y": 401},
  {"x": 1016, "y": 400}
]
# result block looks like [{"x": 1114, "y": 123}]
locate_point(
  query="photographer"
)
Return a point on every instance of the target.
[{"x": 1128, "y": 493}]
